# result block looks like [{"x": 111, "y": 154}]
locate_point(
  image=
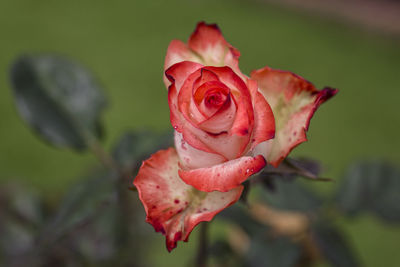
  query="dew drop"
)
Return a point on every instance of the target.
[
  {"x": 183, "y": 145},
  {"x": 175, "y": 127},
  {"x": 247, "y": 171}
]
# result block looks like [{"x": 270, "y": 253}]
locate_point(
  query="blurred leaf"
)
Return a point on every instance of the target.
[
  {"x": 58, "y": 98},
  {"x": 333, "y": 246},
  {"x": 292, "y": 196},
  {"x": 246, "y": 190},
  {"x": 272, "y": 252},
  {"x": 133, "y": 147},
  {"x": 371, "y": 186},
  {"x": 21, "y": 216},
  {"x": 16, "y": 238},
  {"x": 22, "y": 204},
  {"x": 290, "y": 169},
  {"x": 97, "y": 241},
  {"x": 83, "y": 203},
  {"x": 239, "y": 215},
  {"x": 223, "y": 254},
  {"x": 266, "y": 249}
]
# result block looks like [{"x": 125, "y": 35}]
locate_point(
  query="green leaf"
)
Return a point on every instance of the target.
[
  {"x": 221, "y": 252},
  {"x": 82, "y": 204},
  {"x": 97, "y": 240},
  {"x": 333, "y": 245},
  {"x": 239, "y": 215},
  {"x": 292, "y": 196},
  {"x": 272, "y": 252},
  {"x": 266, "y": 249},
  {"x": 58, "y": 98},
  {"x": 373, "y": 187},
  {"x": 133, "y": 147},
  {"x": 290, "y": 169}
]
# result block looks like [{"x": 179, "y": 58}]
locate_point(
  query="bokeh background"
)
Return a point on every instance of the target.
[{"x": 124, "y": 44}]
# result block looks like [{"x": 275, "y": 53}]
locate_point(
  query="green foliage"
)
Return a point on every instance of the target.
[
  {"x": 133, "y": 147},
  {"x": 333, "y": 245},
  {"x": 83, "y": 202},
  {"x": 272, "y": 252},
  {"x": 266, "y": 249},
  {"x": 61, "y": 101},
  {"x": 293, "y": 196},
  {"x": 372, "y": 187},
  {"x": 58, "y": 98}
]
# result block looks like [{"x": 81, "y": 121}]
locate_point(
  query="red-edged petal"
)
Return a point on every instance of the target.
[
  {"x": 173, "y": 207},
  {"x": 244, "y": 120},
  {"x": 191, "y": 134},
  {"x": 193, "y": 158},
  {"x": 227, "y": 145},
  {"x": 209, "y": 43},
  {"x": 294, "y": 101},
  {"x": 177, "y": 52},
  {"x": 264, "y": 121},
  {"x": 178, "y": 73},
  {"x": 221, "y": 120},
  {"x": 225, "y": 176}
]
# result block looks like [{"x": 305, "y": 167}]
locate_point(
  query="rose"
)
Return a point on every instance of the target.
[
  {"x": 218, "y": 118},
  {"x": 223, "y": 131}
]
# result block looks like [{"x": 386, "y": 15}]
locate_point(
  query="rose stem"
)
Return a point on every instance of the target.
[{"x": 202, "y": 250}]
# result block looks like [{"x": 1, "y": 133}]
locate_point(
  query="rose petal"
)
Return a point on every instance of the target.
[
  {"x": 190, "y": 133},
  {"x": 208, "y": 42},
  {"x": 207, "y": 46},
  {"x": 173, "y": 207},
  {"x": 193, "y": 158},
  {"x": 177, "y": 52},
  {"x": 293, "y": 101},
  {"x": 244, "y": 120},
  {"x": 225, "y": 176},
  {"x": 264, "y": 121},
  {"x": 222, "y": 120},
  {"x": 230, "y": 145},
  {"x": 179, "y": 72}
]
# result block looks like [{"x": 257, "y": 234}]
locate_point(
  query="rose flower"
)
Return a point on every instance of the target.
[{"x": 227, "y": 127}]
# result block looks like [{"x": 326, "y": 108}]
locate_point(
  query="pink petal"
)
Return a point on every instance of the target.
[
  {"x": 264, "y": 121},
  {"x": 193, "y": 158},
  {"x": 222, "y": 120},
  {"x": 205, "y": 76},
  {"x": 177, "y": 52},
  {"x": 179, "y": 72},
  {"x": 207, "y": 46},
  {"x": 190, "y": 133},
  {"x": 208, "y": 42},
  {"x": 225, "y": 176},
  {"x": 173, "y": 207},
  {"x": 294, "y": 101},
  {"x": 228, "y": 145},
  {"x": 244, "y": 120}
]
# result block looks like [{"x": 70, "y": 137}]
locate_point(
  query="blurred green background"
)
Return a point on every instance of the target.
[{"x": 124, "y": 43}]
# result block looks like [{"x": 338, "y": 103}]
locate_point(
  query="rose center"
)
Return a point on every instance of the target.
[{"x": 214, "y": 100}]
